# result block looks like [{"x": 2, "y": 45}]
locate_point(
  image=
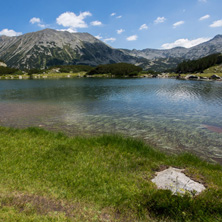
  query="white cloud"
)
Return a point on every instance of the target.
[
  {"x": 216, "y": 24},
  {"x": 120, "y": 16},
  {"x": 42, "y": 25},
  {"x": 132, "y": 38},
  {"x": 184, "y": 43},
  {"x": 67, "y": 30},
  {"x": 35, "y": 20},
  {"x": 144, "y": 26},
  {"x": 113, "y": 14},
  {"x": 70, "y": 19},
  {"x": 38, "y": 21},
  {"x": 96, "y": 23},
  {"x": 120, "y": 31},
  {"x": 110, "y": 40},
  {"x": 99, "y": 37},
  {"x": 204, "y": 17},
  {"x": 178, "y": 24},
  {"x": 160, "y": 20},
  {"x": 9, "y": 32}
]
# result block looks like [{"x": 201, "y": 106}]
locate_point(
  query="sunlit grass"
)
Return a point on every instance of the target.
[{"x": 108, "y": 174}]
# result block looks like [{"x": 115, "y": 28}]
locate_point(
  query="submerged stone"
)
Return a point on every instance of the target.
[{"x": 173, "y": 179}]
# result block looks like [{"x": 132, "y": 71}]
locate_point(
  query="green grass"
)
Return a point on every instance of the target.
[
  {"x": 207, "y": 74},
  {"x": 214, "y": 69},
  {"x": 44, "y": 76},
  {"x": 46, "y": 176}
]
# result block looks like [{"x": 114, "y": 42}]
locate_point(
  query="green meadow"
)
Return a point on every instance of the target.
[{"x": 48, "y": 176}]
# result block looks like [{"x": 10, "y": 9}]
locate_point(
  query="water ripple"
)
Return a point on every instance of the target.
[{"x": 172, "y": 114}]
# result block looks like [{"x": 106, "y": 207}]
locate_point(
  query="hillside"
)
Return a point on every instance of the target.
[
  {"x": 49, "y": 47},
  {"x": 207, "y": 48},
  {"x": 199, "y": 65}
]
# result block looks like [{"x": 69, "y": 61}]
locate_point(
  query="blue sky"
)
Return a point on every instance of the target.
[{"x": 128, "y": 24}]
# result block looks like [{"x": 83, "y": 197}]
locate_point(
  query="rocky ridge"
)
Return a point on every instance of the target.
[{"x": 50, "y": 47}]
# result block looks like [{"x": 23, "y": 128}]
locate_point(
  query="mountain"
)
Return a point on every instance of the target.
[
  {"x": 162, "y": 59},
  {"x": 207, "y": 48},
  {"x": 50, "y": 47},
  {"x": 153, "y": 54}
]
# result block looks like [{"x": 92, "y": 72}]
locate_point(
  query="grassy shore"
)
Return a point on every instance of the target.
[
  {"x": 207, "y": 75},
  {"x": 83, "y": 74},
  {"x": 47, "y": 176},
  {"x": 44, "y": 76}
]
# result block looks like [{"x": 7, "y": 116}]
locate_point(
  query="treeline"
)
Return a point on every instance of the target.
[
  {"x": 61, "y": 69},
  {"x": 73, "y": 68},
  {"x": 7, "y": 70},
  {"x": 118, "y": 69},
  {"x": 199, "y": 65}
]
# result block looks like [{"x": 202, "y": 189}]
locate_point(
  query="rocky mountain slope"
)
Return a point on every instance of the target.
[
  {"x": 50, "y": 47},
  {"x": 207, "y": 48}
]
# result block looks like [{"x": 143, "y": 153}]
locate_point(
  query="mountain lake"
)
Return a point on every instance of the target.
[{"x": 173, "y": 115}]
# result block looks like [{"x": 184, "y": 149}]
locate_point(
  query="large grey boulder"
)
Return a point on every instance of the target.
[{"x": 173, "y": 179}]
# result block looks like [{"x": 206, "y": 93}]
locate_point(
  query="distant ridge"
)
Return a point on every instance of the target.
[{"x": 50, "y": 47}]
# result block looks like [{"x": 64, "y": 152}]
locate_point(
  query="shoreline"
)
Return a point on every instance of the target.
[{"x": 198, "y": 77}]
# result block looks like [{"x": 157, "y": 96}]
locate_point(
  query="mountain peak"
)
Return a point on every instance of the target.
[
  {"x": 217, "y": 37},
  {"x": 49, "y": 47}
]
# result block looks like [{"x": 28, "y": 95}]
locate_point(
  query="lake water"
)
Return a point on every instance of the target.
[{"x": 171, "y": 114}]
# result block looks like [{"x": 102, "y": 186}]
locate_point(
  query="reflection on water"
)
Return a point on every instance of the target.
[{"x": 171, "y": 114}]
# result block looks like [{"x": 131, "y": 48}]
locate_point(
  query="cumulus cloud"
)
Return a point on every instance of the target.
[
  {"x": 113, "y": 14},
  {"x": 9, "y": 32},
  {"x": 120, "y": 16},
  {"x": 35, "y": 20},
  {"x": 132, "y": 38},
  {"x": 42, "y": 25},
  {"x": 178, "y": 24},
  {"x": 204, "y": 17},
  {"x": 67, "y": 30},
  {"x": 110, "y": 40},
  {"x": 99, "y": 37},
  {"x": 71, "y": 20},
  {"x": 160, "y": 20},
  {"x": 96, "y": 23},
  {"x": 184, "y": 43},
  {"x": 216, "y": 24},
  {"x": 120, "y": 31},
  {"x": 144, "y": 26}
]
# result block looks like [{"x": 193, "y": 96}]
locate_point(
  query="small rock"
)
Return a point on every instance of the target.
[
  {"x": 173, "y": 179},
  {"x": 191, "y": 77},
  {"x": 215, "y": 77},
  {"x": 203, "y": 77}
]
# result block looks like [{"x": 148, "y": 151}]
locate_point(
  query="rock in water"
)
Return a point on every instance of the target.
[
  {"x": 173, "y": 179},
  {"x": 215, "y": 77}
]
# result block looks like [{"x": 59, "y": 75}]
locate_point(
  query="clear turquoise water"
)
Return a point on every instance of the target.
[{"x": 174, "y": 115}]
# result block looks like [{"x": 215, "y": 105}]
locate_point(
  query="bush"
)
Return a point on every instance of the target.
[
  {"x": 7, "y": 70},
  {"x": 118, "y": 69}
]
